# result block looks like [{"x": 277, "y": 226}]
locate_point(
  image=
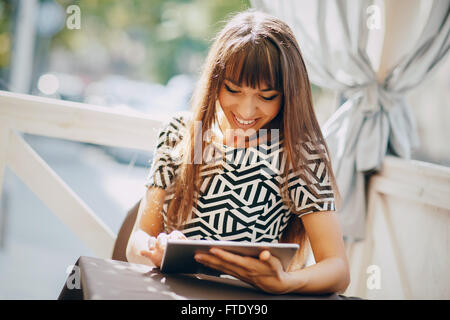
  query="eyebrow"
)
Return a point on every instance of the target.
[{"x": 264, "y": 90}]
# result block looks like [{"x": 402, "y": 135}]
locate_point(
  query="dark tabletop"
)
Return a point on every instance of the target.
[{"x": 110, "y": 279}]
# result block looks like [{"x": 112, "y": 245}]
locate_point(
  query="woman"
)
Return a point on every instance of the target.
[{"x": 249, "y": 164}]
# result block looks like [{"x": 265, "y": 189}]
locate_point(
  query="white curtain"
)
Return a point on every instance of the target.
[{"x": 375, "y": 119}]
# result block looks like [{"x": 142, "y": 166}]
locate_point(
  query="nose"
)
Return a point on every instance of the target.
[{"x": 247, "y": 109}]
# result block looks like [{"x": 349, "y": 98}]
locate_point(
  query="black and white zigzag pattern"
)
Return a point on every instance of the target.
[{"x": 240, "y": 198}]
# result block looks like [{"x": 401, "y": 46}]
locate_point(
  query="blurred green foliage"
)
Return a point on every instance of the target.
[
  {"x": 151, "y": 39},
  {"x": 5, "y": 34}
]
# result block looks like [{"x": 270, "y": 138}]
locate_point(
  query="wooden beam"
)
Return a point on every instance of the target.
[
  {"x": 425, "y": 194},
  {"x": 58, "y": 197},
  {"x": 80, "y": 122},
  {"x": 400, "y": 266},
  {"x": 4, "y": 141},
  {"x": 368, "y": 250}
]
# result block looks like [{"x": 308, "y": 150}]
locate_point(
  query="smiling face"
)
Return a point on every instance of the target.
[
  {"x": 246, "y": 108},
  {"x": 248, "y": 81}
]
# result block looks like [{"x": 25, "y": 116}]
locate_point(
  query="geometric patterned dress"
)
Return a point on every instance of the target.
[{"x": 240, "y": 198}]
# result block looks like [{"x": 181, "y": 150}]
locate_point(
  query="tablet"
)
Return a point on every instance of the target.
[{"x": 179, "y": 254}]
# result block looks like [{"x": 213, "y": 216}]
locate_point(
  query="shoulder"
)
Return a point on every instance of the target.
[
  {"x": 310, "y": 153},
  {"x": 313, "y": 167},
  {"x": 174, "y": 128},
  {"x": 311, "y": 186},
  {"x": 177, "y": 121},
  {"x": 313, "y": 150},
  {"x": 167, "y": 154}
]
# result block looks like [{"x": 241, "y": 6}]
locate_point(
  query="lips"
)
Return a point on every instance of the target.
[{"x": 244, "y": 126}]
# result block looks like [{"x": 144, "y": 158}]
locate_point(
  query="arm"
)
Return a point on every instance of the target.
[
  {"x": 329, "y": 274},
  {"x": 149, "y": 222},
  {"x": 331, "y": 271}
]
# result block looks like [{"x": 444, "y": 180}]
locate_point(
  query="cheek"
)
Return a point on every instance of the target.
[
  {"x": 227, "y": 101},
  {"x": 272, "y": 109}
]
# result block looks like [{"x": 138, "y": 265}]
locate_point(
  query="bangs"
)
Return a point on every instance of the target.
[{"x": 254, "y": 64}]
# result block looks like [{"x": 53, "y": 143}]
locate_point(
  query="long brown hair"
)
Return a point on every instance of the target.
[{"x": 256, "y": 48}]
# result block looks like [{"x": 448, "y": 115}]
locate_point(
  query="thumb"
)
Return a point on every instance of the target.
[
  {"x": 153, "y": 256},
  {"x": 145, "y": 253},
  {"x": 264, "y": 255},
  {"x": 273, "y": 261}
]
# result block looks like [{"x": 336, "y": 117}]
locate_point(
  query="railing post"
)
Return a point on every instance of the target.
[
  {"x": 4, "y": 140},
  {"x": 59, "y": 197},
  {"x": 20, "y": 113}
]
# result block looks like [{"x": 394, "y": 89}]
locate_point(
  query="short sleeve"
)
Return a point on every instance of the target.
[
  {"x": 317, "y": 195},
  {"x": 166, "y": 158}
]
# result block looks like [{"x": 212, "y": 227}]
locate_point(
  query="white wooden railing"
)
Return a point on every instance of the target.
[
  {"x": 408, "y": 234},
  {"x": 408, "y": 229},
  {"x": 71, "y": 121}
]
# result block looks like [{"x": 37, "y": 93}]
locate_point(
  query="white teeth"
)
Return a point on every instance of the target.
[{"x": 244, "y": 122}]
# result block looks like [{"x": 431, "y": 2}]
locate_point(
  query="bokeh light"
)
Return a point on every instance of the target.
[{"x": 48, "y": 84}]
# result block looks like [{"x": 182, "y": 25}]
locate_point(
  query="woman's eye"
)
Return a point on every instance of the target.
[
  {"x": 269, "y": 98},
  {"x": 230, "y": 90}
]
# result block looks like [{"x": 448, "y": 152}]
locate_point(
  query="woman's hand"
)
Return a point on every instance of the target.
[
  {"x": 265, "y": 273},
  {"x": 157, "y": 246}
]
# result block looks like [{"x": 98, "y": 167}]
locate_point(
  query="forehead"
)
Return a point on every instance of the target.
[
  {"x": 260, "y": 86},
  {"x": 255, "y": 66}
]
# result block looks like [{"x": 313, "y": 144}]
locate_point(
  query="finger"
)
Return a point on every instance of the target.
[
  {"x": 162, "y": 237},
  {"x": 271, "y": 260},
  {"x": 231, "y": 257},
  {"x": 225, "y": 267},
  {"x": 161, "y": 241},
  {"x": 147, "y": 254},
  {"x": 218, "y": 264},
  {"x": 177, "y": 235},
  {"x": 153, "y": 255},
  {"x": 251, "y": 265},
  {"x": 151, "y": 242}
]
